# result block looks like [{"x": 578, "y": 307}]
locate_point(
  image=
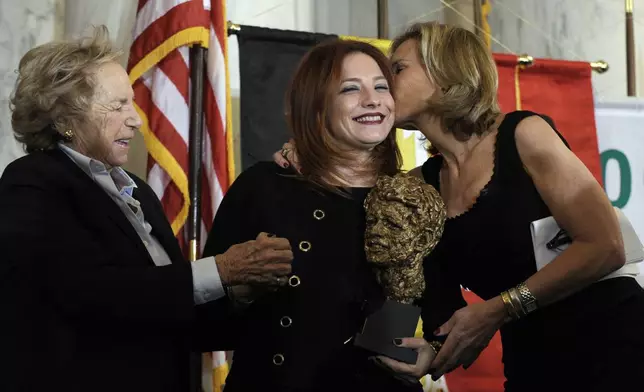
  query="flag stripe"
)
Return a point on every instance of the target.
[
  {"x": 172, "y": 31},
  {"x": 161, "y": 19},
  {"x": 170, "y": 104},
  {"x": 217, "y": 136},
  {"x": 162, "y": 27},
  {"x": 171, "y": 157},
  {"x": 141, "y": 5},
  {"x": 169, "y": 163},
  {"x": 164, "y": 130},
  {"x": 158, "y": 179},
  {"x": 153, "y": 11},
  {"x": 175, "y": 69},
  {"x": 172, "y": 201}
]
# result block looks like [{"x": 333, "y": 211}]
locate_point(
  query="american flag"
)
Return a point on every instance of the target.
[{"x": 159, "y": 69}]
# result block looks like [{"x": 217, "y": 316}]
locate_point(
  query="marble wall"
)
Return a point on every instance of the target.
[
  {"x": 355, "y": 17},
  {"x": 23, "y": 25},
  {"x": 117, "y": 15},
  {"x": 585, "y": 30}
]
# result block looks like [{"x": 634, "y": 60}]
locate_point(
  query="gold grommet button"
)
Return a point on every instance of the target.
[
  {"x": 294, "y": 281},
  {"x": 278, "y": 359},
  {"x": 305, "y": 246},
  {"x": 286, "y": 321},
  {"x": 318, "y": 214}
]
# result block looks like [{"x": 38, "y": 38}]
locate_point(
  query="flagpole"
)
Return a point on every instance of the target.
[
  {"x": 630, "y": 49},
  {"x": 383, "y": 19},
  {"x": 195, "y": 141},
  {"x": 478, "y": 18}
]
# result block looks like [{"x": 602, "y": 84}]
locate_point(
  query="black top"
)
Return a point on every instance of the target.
[
  {"x": 79, "y": 292},
  {"x": 488, "y": 249},
  {"x": 309, "y": 325}
]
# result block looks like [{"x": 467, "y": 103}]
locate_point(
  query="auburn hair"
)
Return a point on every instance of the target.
[{"x": 309, "y": 99}]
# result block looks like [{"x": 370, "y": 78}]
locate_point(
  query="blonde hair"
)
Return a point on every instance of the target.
[
  {"x": 460, "y": 64},
  {"x": 55, "y": 91}
]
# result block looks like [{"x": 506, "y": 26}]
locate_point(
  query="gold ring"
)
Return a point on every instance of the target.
[{"x": 285, "y": 152}]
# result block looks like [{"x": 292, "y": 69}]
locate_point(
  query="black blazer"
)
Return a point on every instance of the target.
[
  {"x": 299, "y": 337},
  {"x": 83, "y": 307}
]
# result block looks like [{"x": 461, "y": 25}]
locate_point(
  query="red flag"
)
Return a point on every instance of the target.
[
  {"x": 559, "y": 89},
  {"x": 563, "y": 91}
]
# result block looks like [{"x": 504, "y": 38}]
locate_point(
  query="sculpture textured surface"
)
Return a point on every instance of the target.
[{"x": 405, "y": 221}]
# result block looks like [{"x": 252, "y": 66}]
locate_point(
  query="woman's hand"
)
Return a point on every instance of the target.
[
  {"x": 425, "y": 356},
  {"x": 287, "y": 157},
  {"x": 264, "y": 261},
  {"x": 468, "y": 331}
]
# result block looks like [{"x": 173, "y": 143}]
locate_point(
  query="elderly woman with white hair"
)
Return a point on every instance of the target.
[{"x": 94, "y": 290}]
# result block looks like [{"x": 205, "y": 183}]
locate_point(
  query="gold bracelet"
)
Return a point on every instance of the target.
[
  {"x": 436, "y": 346},
  {"x": 509, "y": 307},
  {"x": 516, "y": 301}
]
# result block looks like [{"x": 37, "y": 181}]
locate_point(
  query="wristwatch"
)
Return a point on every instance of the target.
[{"x": 528, "y": 300}]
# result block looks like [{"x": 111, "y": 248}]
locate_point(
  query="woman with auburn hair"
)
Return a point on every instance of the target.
[
  {"x": 497, "y": 173},
  {"x": 340, "y": 110},
  {"x": 92, "y": 279}
]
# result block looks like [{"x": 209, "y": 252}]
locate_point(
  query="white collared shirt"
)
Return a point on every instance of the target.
[{"x": 120, "y": 186}]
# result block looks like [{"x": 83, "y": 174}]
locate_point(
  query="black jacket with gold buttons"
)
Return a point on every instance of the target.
[{"x": 300, "y": 337}]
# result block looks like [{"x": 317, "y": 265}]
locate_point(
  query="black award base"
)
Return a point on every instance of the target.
[{"x": 393, "y": 320}]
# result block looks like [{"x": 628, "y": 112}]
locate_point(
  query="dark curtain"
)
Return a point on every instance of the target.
[{"x": 267, "y": 60}]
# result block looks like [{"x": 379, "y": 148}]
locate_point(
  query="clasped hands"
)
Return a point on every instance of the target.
[
  {"x": 468, "y": 332},
  {"x": 260, "y": 264}
]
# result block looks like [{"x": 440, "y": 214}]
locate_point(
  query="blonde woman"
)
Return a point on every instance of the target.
[{"x": 561, "y": 327}]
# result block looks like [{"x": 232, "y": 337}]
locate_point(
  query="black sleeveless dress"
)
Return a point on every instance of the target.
[{"x": 590, "y": 341}]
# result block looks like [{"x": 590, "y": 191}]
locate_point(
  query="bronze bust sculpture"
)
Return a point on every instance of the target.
[{"x": 405, "y": 220}]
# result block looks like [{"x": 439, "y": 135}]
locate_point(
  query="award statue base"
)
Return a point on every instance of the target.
[{"x": 393, "y": 320}]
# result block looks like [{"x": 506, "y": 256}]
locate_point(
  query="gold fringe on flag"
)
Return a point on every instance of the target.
[{"x": 230, "y": 148}]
